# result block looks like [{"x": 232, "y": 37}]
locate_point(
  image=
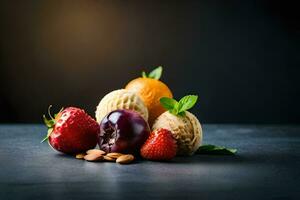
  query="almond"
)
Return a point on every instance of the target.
[
  {"x": 80, "y": 155},
  {"x": 125, "y": 159},
  {"x": 107, "y": 158},
  {"x": 114, "y": 155},
  {"x": 96, "y": 151},
  {"x": 93, "y": 157}
]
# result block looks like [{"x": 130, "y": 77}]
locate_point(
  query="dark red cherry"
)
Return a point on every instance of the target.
[{"x": 123, "y": 131}]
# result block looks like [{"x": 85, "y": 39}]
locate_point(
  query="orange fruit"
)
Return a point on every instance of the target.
[{"x": 150, "y": 90}]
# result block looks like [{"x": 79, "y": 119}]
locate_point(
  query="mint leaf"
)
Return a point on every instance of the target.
[
  {"x": 156, "y": 73},
  {"x": 215, "y": 150},
  {"x": 178, "y": 108},
  {"x": 187, "y": 102},
  {"x": 168, "y": 103}
]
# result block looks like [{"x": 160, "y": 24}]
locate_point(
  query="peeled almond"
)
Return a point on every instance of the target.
[
  {"x": 96, "y": 151},
  {"x": 114, "y": 155},
  {"x": 93, "y": 157},
  {"x": 125, "y": 159}
]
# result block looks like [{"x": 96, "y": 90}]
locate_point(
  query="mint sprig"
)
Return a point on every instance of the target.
[
  {"x": 155, "y": 74},
  {"x": 215, "y": 150},
  {"x": 179, "y": 108}
]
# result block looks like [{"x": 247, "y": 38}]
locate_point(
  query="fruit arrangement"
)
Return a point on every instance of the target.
[{"x": 142, "y": 120}]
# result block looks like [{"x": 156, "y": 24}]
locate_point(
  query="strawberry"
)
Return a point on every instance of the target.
[
  {"x": 71, "y": 131},
  {"x": 159, "y": 146}
]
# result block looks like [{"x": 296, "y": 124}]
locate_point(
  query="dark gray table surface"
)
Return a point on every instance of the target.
[{"x": 267, "y": 166}]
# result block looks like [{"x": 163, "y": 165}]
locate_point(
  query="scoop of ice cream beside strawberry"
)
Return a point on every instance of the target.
[{"x": 184, "y": 126}]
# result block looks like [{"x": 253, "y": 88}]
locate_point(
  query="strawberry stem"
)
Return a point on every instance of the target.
[
  {"x": 49, "y": 113},
  {"x": 50, "y": 123}
]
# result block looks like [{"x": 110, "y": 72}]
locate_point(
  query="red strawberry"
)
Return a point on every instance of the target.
[
  {"x": 159, "y": 146},
  {"x": 72, "y": 131}
]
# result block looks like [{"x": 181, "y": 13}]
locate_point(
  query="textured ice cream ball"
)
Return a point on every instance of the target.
[
  {"x": 186, "y": 130},
  {"x": 120, "y": 99}
]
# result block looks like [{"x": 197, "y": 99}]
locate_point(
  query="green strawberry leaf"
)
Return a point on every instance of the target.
[
  {"x": 50, "y": 123},
  {"x": 215, "y": 150},
  {"x": 48, "y": 134},
  {"x": 168, "y": 103},
  {"x": 187, "y": 102},
  {"x": 55, "y": 115}
]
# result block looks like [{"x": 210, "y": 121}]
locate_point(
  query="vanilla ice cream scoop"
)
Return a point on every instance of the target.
[
  {"x": 120, "y": 99},
  {"x": 186, "y": 130}
]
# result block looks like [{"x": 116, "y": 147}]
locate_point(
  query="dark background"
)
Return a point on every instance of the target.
[{"x": 240, "y": 57}]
